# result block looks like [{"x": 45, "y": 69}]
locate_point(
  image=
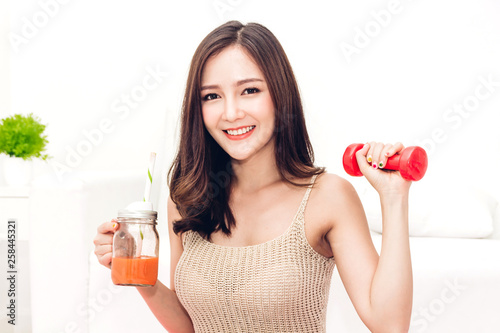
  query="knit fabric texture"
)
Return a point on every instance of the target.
[{"x": 281, "y": 285}]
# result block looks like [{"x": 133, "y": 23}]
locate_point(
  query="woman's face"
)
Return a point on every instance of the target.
[{"x": 237, "y": 107}]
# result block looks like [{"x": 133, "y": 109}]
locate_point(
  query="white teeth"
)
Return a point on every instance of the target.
[{"x": 240, "y": 131}]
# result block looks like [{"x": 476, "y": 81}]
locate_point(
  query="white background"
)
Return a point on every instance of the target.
[
  {"x": 74, "y": 65},
  {"x": 71, "y": 66}
]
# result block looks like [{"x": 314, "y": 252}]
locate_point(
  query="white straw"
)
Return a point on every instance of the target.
[{"x": 149, "y": 180}]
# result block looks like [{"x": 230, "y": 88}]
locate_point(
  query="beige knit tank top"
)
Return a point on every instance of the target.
[{"x": 281, "y": 285}]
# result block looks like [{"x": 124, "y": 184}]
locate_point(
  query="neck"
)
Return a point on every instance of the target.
[{"x": 256, "y": 172}]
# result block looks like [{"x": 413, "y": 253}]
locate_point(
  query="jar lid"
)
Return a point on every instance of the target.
[{"x": 138, "y": 214}]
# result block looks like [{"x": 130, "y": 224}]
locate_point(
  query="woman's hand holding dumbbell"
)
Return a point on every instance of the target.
[{"x": 369, "y": 159}]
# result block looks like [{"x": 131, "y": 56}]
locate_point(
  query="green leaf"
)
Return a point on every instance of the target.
[{"x": 22, "y": 136}]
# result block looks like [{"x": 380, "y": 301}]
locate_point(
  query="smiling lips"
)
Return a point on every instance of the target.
[{"x": 239, "y": 133}]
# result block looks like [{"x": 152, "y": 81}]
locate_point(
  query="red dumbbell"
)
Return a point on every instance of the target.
[{"x": 411, "y": 162}]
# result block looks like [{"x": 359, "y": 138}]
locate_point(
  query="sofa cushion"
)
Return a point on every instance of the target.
[{"x": 454, "y": 210}]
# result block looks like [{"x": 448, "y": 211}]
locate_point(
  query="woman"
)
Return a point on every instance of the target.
[{"x": 246, "y": 254}]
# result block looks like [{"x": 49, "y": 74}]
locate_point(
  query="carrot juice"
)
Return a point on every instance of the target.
[{"x": 138, "y": 271}]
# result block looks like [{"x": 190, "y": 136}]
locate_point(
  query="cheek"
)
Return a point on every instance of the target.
[
  {"x": 266, "y": 112},
  {"x": 210, "y": 118}
]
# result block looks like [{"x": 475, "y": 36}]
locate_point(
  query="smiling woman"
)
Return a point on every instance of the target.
[
  {"x": 239, "y": 109},
  {"x": 245, "y": 254},
  {"x": 237, "y": 133},
  {"x": 240, "y": 78}
]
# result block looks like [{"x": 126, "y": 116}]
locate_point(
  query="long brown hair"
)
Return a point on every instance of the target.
[{"x": 201, "y": 173}]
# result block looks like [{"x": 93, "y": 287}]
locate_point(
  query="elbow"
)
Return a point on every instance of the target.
[
  {"x": 389, "y": 324},
  {"x": 399, "y": 327},
  {"x": 392, "y": 319}
]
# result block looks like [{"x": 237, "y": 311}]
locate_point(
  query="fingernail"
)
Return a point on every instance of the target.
[
  {"x": 381, "y": 165},
  {"x": 114, "y": 225},
  {"x": 369, "y": 159},
  {"x": 386, "y": 153},
  {"x": 374, "y": 165}
]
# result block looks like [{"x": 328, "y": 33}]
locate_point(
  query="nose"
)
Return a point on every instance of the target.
[{"x": 232, "y": 110}]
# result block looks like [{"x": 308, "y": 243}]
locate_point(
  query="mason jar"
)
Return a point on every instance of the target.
[{"x": 135, "y": 249}]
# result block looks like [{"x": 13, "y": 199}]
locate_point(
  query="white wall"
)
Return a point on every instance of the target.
[
  {"x": 73, "y": 69},
  {"x": 4, "y": 59},
  {"x": 5, "y": 94},
  {"x": 73, "y": 62}
]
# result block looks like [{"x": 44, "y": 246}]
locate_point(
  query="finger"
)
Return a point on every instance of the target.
[
  {"x": 361, "y": 157},
  {"x": 384, "y": 156},
  {"x": 105, "y": 260},
  {"x": 369, "y": 155},
  {"x": 108, "y": 227},
  {"x": 377, "y": 150},
  {"x": 103, "y": 249},
  {"x": 103, "y": 239},
  {"x": 396, "y": 148},
  {"x": 362, "y": 153}
]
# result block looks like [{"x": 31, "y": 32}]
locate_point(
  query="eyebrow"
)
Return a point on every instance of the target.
[{"x": 238, "y": 83}]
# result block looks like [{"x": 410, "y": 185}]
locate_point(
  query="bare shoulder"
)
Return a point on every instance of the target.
[
  {"x": 172, "y": 216},
  {"x": 333, "y": 190},
  {"x": 331, "y": 180},
  {"x": 172, "y": 212},
  {"x": 176, "y": 248},
  {"x": 332, "y": 199}
]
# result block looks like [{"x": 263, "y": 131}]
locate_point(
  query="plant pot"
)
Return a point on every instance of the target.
[{"x": 17, "y": 172}]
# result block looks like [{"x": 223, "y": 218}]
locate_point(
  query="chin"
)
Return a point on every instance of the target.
[
  {"x": 244, "y": 150},
  {"x": 240, "y": 156}
]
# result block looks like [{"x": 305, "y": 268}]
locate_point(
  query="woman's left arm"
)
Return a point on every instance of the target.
[
  {"x": 392, "y": 284},
  {"x": 380, "y": 287}
]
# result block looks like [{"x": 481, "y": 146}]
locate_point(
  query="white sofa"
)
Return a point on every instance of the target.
[{"x": 456, "y": 280}]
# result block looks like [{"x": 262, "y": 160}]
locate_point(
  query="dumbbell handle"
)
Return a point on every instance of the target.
[
  {"x": 393, "y": 162},
  {"x": 411, "y": 162}
]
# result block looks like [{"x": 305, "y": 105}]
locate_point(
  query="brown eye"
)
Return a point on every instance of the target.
[
  {"x": 249, "y": 91},
  {"x": 209, "y": 97}
]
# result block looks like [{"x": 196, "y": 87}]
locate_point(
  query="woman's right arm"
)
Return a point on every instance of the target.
[{"x": 162, "y": 301}]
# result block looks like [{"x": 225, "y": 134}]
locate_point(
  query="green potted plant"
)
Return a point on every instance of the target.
[{"x": 21, "y": 139}]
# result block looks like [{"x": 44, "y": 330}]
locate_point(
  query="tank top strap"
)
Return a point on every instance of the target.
[
  {"x": 187, "y": 238},
  {"x": 303, "y": 204}
]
